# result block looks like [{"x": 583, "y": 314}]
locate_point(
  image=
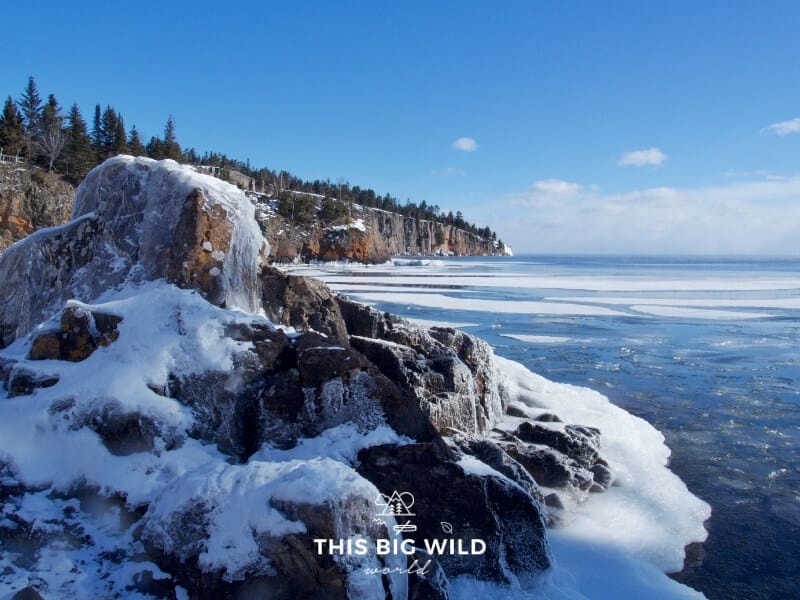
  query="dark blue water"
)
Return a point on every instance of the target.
[{"x": 707, "y": 350}]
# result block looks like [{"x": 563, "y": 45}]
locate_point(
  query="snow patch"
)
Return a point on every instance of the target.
[{"x": 649, "y": 515}]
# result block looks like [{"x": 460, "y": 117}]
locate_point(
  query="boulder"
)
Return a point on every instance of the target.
[
  {"x": 81, "y": 331},
  {"x": 492, "y": 454},
  {"x": 549, "y": 467},
  {"x": 23, "y": 380},
  {"x": 486, "y": 507},
  {"x": 303, "y": 303},
  {"x": 134, "y": 220},
  {"x": 574, "y": 441},
  {"x": 450, "y": 374},
  {"x": 242, "y": 531}
]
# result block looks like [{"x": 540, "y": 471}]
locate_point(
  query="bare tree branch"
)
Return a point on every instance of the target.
[{"x": 52, "y": 143}]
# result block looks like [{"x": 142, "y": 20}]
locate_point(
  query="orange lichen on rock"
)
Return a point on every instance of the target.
[{"x": 80, "y": 333}]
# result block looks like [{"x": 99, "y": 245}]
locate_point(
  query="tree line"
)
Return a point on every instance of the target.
[{"x": 40, "y": 132}]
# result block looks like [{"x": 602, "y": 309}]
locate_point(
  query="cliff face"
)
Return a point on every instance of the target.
[
  {"x": 29, "y": 200},
  {"x": 373, "y": 236}
]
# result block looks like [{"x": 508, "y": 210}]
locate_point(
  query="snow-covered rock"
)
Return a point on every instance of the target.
[
  {"x": 179, "y": 418},
  {"x": 134, "y": 220}
]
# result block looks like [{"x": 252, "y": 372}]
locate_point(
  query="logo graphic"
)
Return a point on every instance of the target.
[{"x": 397, "y": 505}]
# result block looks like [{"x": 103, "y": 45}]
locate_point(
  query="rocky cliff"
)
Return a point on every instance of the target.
[
  {"x": 29, "y": 200},
  {"x": 179, "y": 419},
  {"x": 372, "y": 236}
]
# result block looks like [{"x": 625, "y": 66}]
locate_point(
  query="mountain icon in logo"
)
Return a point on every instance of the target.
[{"x": 397, "y": 505}]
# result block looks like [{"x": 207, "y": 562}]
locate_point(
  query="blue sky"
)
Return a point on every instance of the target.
[{"x": 597, "y": 126}]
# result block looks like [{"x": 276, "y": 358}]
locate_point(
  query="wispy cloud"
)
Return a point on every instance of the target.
[
  {"x": 450, "y": 172},
  {"x": 741, "y": 217},
  {"x": 465, "y": 144},
  {"x": 549, "y": 193},
  {"x": 641, "y": 158},
  {"x": 556, "y": 187},
  {"x": 783, "y": 127},
  {"x": 755, "y": 173}
]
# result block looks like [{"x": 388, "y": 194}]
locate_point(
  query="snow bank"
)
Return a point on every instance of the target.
[{"x": 644, "y": 521}]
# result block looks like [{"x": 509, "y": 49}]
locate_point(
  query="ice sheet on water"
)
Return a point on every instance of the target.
[
  {"x": 720, "y": 301},
  {"x": 487, "y": 306},
  {"x": 698, "y": 313},
  {"x": 522, "y": 280},
  {"x": 537, "y": 339},
  {"x": 428, "y": 323}
]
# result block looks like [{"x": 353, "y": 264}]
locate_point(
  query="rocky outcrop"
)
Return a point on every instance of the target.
[
  {"x": 374, "y": 236},
  {"x": 226, "y": 443},
  {"x": 80, "y": 333},
  {"x": 29, "y": 200},
  {"x": 136, "y": 220}
]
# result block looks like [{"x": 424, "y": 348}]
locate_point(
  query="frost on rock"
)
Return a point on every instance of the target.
[{"x": 136, "y": 219}]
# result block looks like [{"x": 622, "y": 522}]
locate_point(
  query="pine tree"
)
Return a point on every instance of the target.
[
  {"x": 108, "y": 130},
  {"x": 171, "y": 148},
  {"x": 11, "y": 129},
  {"x": 78, "y": 156},
  {"x": 30, "y": 104},
  {"x": 135, "y": 146},
  {"x": 155, "y": 148},
  {"x": 190, "y": 157},
  {"x": 120, "y": 141},
  {"x": 97, "y": 132},
  {"x": 52, "y": 116}
]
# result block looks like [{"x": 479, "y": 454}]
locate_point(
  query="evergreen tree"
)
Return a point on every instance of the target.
[
  {"x": 120, "y": 145},
  {"x": 78, "y": 156},
  {"x": 155, "y": 148},
  {"x": 97, "y": 131},
  {"x": 30, "y": 104},
  {"x": 52, "y": 117},
  {"x": 135, "y": 146},
  {"x": 108, "y": 131},
  {"x": 190, "y": 157},
  {"x": 171, "y": 148},
  {"x": 12, "y": 133}
]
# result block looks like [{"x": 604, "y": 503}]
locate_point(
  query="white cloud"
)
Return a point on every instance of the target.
[
  {"x": 549, "y": 193},
  {"x": 755, "y": 173},
  {"x": 641, "y": 158},
  {"x": 556, "y": 187},
  {"x": 784, "y": 127},
  {"x": 741, "y": 217},
  {"x": 450, "y": 172},
  {"x": 465, "y": 144}
]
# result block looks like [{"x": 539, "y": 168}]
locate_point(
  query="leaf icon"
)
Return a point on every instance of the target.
[{"x": 446, "y": 527}]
